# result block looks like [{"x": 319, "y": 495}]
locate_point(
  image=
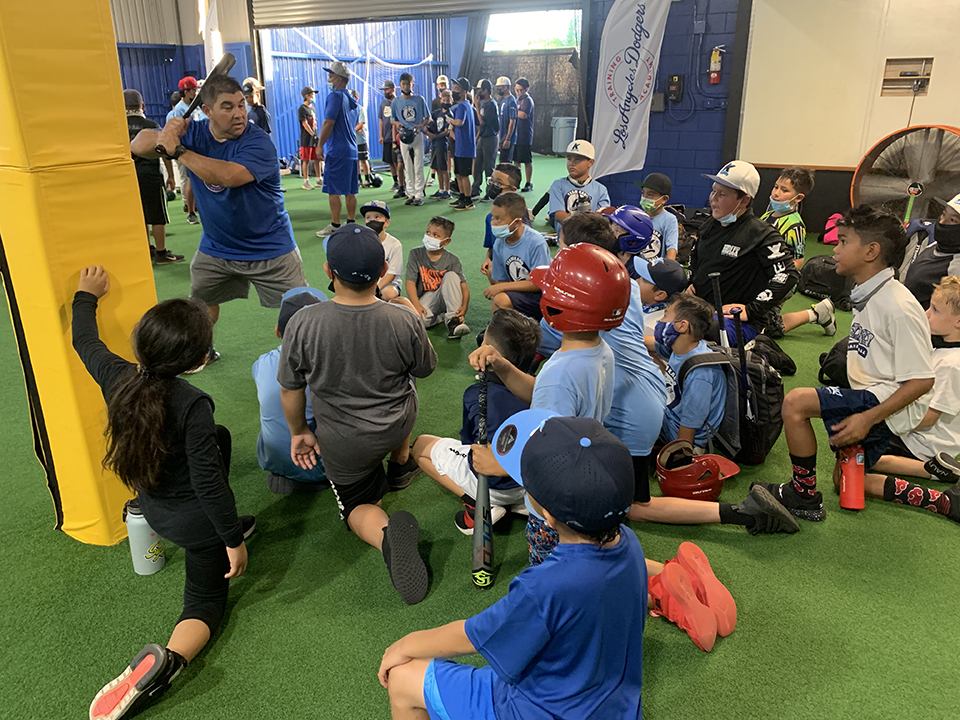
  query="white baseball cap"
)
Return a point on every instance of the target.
[
  {"x": 253, "y": 82},
  {"x": 738, "y": 175},
  {"x": 581, "y": 147},
  {"x": 955, "y": 204},
  {"x": 504, "y": 80},
  {"x": 443, "y": 79},
  {"x": 338, "y": 68}
]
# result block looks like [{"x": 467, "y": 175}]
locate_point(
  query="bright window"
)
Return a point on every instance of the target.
[{"x": 534, "y": 30}]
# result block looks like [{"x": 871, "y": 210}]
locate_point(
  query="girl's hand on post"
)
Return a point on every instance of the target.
[{"x": 94, "y": 280}]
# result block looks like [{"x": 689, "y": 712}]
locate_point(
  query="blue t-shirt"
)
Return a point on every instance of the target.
[
  {"x": 273, "y": 444},
  {"x": 687, "y": 408},
  {"x": 511, "y": 263},
  {"x": 666, "y": 235},
  {"x": 361, "y": 135},
  {"x": 525, "y": 125},
  {"x": 567, "y": 639},
  {"x": 501, "y": 404},
  {"x": 248, "y": 222},
  {"x": 488, "y": 237},
  {"x": 465, "y": 135},
  {"x": 409, "y": 111},
  {"x": 571, "y": 197},
  {"x": 577, "y": 383},
  {"x": 508, "y": 112},
  {"x": 180, "y": 110},
  {"x": 340, "y": 107}
]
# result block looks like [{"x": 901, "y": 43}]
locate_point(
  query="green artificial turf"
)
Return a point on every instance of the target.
[{"x": 850, "y": 618}]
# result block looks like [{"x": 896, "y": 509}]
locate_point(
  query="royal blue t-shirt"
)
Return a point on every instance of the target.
[
  {"x": 567, "y": 639},
  {"x": 508, "y": 112},
  {"x": 501, "y": 404},
  {"x": 687, "y": 408},
  {"x": 340, "y": 107},
  {"x": 511, "y": 263},
  {"x": 409, "y": 111},
  {"x": 465, "y": 135},
  {"x": 525, "y": 125},
  {"x": 247, "y": 222}
]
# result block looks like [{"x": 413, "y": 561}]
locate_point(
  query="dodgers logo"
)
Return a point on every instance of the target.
[
  {"x": 408, "y": 113},
  {"x": 652, "y": 251},
  {"x": 860, "y": 340},
  {"x": 628, "y": 79},
  {"x": 577, "y": 201},
  {"x": 215, "y": 188},
  {"x": 517, "y": 269},
  {"x": 673, "y": 396}
]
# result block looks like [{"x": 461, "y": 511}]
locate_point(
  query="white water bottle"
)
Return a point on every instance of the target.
[{"x": 146, "y": 546}]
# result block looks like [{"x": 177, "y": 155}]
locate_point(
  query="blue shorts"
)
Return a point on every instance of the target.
[
  {"x": 506, "y": 154},
  {"x": 458, "y": 692},
  {"x": 340, "y": 176},
  {"x": 527, "y": 303},
  {"x": 838, "y": 404}
]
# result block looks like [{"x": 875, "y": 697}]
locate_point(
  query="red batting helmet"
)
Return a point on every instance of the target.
[
  {"x": 584, "y": 288},
  {"x": 682, "y": 474}
]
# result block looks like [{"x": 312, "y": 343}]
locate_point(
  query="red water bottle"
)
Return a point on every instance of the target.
[{"x": 851, "y": 478}]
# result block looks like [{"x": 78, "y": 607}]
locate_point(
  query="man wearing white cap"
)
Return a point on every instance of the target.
[
  {"x": 256, "y": 113},
  {"x": 338, "y": 146},
  {"x": 940, "y": 256},
  {"x": 755, "y": 264},
  {"x": 579, "y": 191},
  {"x": 508, "y": 118}
]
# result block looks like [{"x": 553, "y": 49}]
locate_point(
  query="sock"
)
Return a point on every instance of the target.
[
  {"x": 804, "y": 475},
  {"x": 395, "y": 180},
  {"x": 729, "y": 515},
  {"x": 906, "y": 493},
  {"x": 336, "y": 225},
  {"x": 811, "y": 316}
]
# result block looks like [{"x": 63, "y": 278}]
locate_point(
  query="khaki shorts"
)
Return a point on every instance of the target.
[
  {"x": 181, "y": 173},
  {"x": 215, "y": 280}
]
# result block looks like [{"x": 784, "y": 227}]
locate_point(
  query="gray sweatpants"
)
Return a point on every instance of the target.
[
  {"x": 486, "y": 156},
  {"x": 441, "y": 305}
]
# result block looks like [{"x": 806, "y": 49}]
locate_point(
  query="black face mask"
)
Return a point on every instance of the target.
[
  {"x": 493, "y": 191},
  {"x": 376, "y": 225},
  {"x": 503, "y": 93},
  {"x": 445, "y": 106},
  {"x": 947, "y": 237},
  {"x": 406, "y": 92},
  {"x": 389, "y": 95},
  {"x": 457, "y": 96}
]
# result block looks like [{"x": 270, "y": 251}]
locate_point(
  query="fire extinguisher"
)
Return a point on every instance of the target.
[{"x": 715, "y": 64}]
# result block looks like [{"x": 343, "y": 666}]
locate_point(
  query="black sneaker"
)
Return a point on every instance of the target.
[
  {"x": 143, "y": 682},
  {"x": 401, "y": 192},
  {"x": 396, "y": 186},
  {"x": 456, "y": 329},
  {"x": 943, "y": 467},
  {"x": 212, "y": 357},
  {"x": 465, "y": 519},
  {"x": 467, "y": 204},
  {"x": 165, "y": 257},
  {"x": 409, "y": 201},
  {"x": 458, "y": 200},
  {"x": 801, "y": 507},
  {"x": 400, "y": 476},
  {"x": 527, "y": 188},
  {"x": 193, "y": 219},
  {"x": 769, "y": 515},
  {"x": 408, "y": 572},
  {"x": 153, "y": 252},
  {"x": 951, "y": 498},
  {"x": 249, "y": 525}
]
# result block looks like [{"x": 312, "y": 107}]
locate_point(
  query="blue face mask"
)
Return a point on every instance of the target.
[
  {"x": 665, "y": 335},
  {"x": 330, "y": 86},
  {"x": 780, "y": 207},
  {"x": 727, "y": 219},
  {"x": 501, "y": 232}
]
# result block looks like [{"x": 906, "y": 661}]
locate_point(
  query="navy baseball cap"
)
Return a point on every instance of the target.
[
  {"x": 667, "y": 275},
  {"x": 296, "y": 299},
  {"x": 355, "y": 253},
  {"x": 574, "y": 467}
]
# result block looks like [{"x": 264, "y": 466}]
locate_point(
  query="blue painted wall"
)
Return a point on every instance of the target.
[{"x": 685, "y": 140}]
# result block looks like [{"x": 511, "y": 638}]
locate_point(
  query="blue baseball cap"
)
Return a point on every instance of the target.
[
  {"x": 354, "y": 253},
  {"x": 378, "y": 205},
  {"x": 294, "y": 300},
  {"x": 667, "y": 275},
  {"x": 574, "y": 467}
]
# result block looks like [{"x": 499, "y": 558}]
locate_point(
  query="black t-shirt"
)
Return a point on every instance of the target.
[
  {"x": 439, "y": 123},
  {"x": 927, "y": 270},
  {"x": 308, "y": 114},
  {"x": 435, "y": 104},
  {"x": 491, "y": 119},
  {"x": 259, "y": 116},
  {"x": 146, "y": 168}
]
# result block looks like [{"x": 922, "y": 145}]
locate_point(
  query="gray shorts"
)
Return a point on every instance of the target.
[{"x": 214, "y": 280}]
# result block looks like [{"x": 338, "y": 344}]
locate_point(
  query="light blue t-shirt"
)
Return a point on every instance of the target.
[
  {"x": 340, "y": 107},
  {"x": 273, "y": 444},
  {"x": 688, "y": 408},
  {"x": 511, "y": 263},
  {"x": 639, "y": 395},
  {"x": 550, "y": 339},
  {"x": 666, "y": 235},
  {"x": 180, "y": 110},
  {"x": 568, "y": 196},
  {"x": 409, "y": 111},
  {"x": 361, "y": 135}
]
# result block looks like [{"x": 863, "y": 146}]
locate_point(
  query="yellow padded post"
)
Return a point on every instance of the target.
[{"x": 68, "y": 199}]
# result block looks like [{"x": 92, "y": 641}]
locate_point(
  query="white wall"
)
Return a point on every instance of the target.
[
  {"x": 812, "y": 94},
  {"x": 155, "y": 21}
]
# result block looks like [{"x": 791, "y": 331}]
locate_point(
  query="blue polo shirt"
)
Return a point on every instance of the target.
[
  {"x": 465, "y": 135},
  {"x": 340, "y": 107}
]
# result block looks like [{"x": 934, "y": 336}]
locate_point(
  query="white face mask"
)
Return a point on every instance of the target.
[{"x": 431, "y": 243}]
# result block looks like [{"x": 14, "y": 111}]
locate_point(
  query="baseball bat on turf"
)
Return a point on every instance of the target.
[
  {"x": 482, "y": 569},
  {"x": 718, "y": 303},
  {"x": 221, "y": 68}
]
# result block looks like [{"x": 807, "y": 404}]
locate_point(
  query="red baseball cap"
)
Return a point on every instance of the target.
[{"x": 188, "y": 83}]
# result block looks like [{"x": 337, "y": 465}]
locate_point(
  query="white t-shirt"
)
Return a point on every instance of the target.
[
  {"x": 889, "y": 345},
  {"x": 394, "y": 253},
  {"x": 944, "y": 436}
]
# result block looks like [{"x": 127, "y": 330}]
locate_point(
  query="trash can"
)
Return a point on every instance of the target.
[{"x": 564, "y": 133}]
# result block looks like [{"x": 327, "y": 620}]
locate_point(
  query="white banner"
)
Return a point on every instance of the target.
[{"x": 629, "y": 54}]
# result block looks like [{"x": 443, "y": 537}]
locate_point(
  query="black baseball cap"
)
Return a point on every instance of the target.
[
  {"x": 248, "y": 89},
  {"x": 485, "y": 84},
  {"x": 463, "y": 82},
  {"x": 294, "y": 300},
  {"x": 307, "y": 90},
  {"x": 574, "y": 467},
  {"x": 388, "y": 85},
  {"x": 667, "y": 275},
  {"x": 355, "y": 253},
  {"x": 658, "y": 182}
]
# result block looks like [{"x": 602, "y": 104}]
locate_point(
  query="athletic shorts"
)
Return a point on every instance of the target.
[
  {"x": 459, "y": 692},
  {"x": 396, "y": 284},
  {"x": 506, "y": 154},
  {"x": 641, "y": 477},
  {"x": 898, "y": 448},
  {"x": 308, "y": 153},
  {"x": 438, "y": 160},
  {"x": 215, "y": 280},
  {"x": 527, "y": 303},
  {"x": 462, "y": 167},
  {"x": 391, "y": 154},
  {"x": 182, "y": 177},
  {"x": 153, "y": 200},
  {"x": 451, "y": 458},
  {"x": 838, "y": 404},
  {"x": 362, "y": 153},
  {"x": 522, "y": 154},
  {"x": 340, "y": 176},
  {"x": 369, "y": 491}
]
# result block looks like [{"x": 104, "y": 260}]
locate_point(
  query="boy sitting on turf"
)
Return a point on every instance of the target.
[
  {"x": 888, "y": 363},
  {"x": 360, "y": 357},
  {"x": 273, "y": 443},
  {"x": 436, "y": 285},
  {"x": 791, "y": 188},
  {"x": 505, "y": 179},
  {"x": 567, "y": 640},
  {"x": 517, "y": 250},
  {"x": 578, "y": 192},
  {"x": 657, "y": 188},
  {"x": 448, "y": 461},
  {"x": 376, "y": 215}
]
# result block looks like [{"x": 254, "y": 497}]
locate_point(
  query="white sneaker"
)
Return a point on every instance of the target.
[
  {"x": 430, "y": 182},
  {"x": 306, "y": 185},
  {"x": 824, "y": 315},
  {"x": 328, "y": 230},
  {"x": 520, "y": 509}
]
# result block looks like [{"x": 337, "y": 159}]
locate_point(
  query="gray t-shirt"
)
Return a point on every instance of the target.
[
  {"x": 429, "y": 274},
  {"x": 360, "y": 363}
]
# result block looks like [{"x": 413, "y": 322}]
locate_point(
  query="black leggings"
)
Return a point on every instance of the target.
[{"x": 205, "y": 589}]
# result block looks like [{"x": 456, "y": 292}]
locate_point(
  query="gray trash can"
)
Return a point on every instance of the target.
[{"x": 564, "y": 133}]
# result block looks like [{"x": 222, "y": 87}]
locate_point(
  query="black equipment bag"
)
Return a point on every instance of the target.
[
  {"x": 833, "y": 365},
  {"x": 819, "y": 279}
]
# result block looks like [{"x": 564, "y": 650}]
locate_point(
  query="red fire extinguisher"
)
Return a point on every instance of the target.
[{"x": 715, "y": 64}]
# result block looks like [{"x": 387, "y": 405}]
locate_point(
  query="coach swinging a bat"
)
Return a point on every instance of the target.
[{"x": 247, "y": 236}]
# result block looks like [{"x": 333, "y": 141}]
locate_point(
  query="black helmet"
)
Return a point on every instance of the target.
[{"x": 376, "y": 180}]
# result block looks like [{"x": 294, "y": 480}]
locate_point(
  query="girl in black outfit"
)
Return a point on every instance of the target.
[{"x": 163, "y": 444}]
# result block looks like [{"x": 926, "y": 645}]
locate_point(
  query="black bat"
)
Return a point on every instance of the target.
[
  {"x": 482, "y": 568},
  {"x": 221, "y": 68},
  {"x": 718, "y": 304}
]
